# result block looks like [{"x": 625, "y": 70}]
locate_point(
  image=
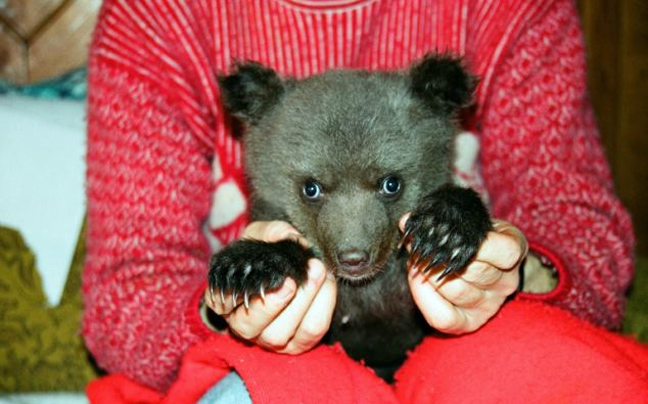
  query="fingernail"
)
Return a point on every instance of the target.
[
  {"x": 316, "y": 272},
  {"x": 285, "y": 291}
]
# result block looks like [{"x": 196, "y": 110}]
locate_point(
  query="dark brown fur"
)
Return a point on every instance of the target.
[{"x": 342, "y": 156}]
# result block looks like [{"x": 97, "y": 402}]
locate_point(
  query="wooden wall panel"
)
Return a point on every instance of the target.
[
  {"x": 601, "y": 25},
  {"x": 632, "y": 143},
  {"x": 617, "y": 39},
  {"x": 13, "y": 57},
  {"x": 25, "y": 16},
  {"x": 43, "y": 38},
  {"x": 48, "y": 55}
]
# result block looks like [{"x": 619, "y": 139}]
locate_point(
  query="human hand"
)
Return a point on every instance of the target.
[
  {"x": 462, "y": 303},
  {"x": 289, "y": 319}
]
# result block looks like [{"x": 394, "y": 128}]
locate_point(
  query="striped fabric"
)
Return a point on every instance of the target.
[{"x": 162, "y": 164}]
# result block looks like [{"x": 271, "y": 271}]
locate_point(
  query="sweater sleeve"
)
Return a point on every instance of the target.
[
  {"x": 545, "y": 169},
  {"x": 148, "y": 189}
]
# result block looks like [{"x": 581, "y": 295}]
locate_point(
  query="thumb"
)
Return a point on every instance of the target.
[{"x": 403, "y": 221}]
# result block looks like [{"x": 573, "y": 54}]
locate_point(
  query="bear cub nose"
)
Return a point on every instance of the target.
[{"x": 353, "y": 260}]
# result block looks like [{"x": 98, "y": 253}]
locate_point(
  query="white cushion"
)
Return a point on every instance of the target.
[{"x": 42, "y": 171}]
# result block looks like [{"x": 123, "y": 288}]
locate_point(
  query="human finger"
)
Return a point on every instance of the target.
[
  {"x": 317, "y": 320},
  {"x": 437, "y": 311},
  {"x": 273, "y": 231},
  {"x": 403, "y": 221},
  {"x": 282, "y": 329},
  {"x": 249, "y": 323},
  {"x": 220, "y": 302},
  {"x": 459, "y": 292},
  {"x": 504, "y": 247},
  {"x": 481, "y": 274}
]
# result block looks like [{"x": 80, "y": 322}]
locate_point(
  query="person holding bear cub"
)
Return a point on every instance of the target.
[{"x": 163, "y": 167}]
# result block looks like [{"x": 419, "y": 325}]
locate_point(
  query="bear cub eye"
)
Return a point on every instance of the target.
[
  {"x": 312, "y": 190},
  {"x": 390, "y": 186}
]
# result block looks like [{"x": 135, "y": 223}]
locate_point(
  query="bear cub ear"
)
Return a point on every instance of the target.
[
  {"x": 250, "y": 91},
  {"x": 442, "y": 83}
]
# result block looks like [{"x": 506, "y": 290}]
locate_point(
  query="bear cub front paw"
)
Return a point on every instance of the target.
[
  {"x": 446, "y": 229},
  {"x": 249, "y": 267}
]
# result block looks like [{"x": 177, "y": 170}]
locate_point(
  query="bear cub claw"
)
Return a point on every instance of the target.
[
  {"x": 249, "y": 267},
  {"x": 446, "y": 230}
]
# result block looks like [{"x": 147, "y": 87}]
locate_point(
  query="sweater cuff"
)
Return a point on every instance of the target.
[
  {"x": 193, "y": 317},
  {"x": 564, "y": 279}
]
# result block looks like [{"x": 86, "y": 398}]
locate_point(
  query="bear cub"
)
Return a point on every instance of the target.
[{"x": 342, "y": 156}]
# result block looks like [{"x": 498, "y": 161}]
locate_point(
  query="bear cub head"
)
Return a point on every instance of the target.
[{"x": 344, "y": 154}]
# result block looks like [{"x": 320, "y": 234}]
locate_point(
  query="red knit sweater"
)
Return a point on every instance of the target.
[{"x": 162, "y": 166}]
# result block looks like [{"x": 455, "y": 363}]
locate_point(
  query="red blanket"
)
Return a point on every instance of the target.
[{"x": 528, "y": 353}]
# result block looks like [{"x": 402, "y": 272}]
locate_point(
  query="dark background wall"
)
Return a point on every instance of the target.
[{"x": 616, "y": 32}]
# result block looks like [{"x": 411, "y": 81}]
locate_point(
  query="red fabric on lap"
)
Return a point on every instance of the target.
[
  {"x": 323, "y": 375},
  {"x": 529, "y": 353}
]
